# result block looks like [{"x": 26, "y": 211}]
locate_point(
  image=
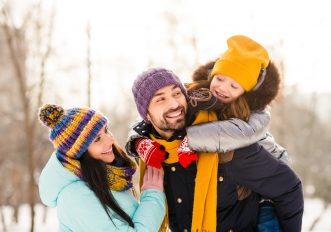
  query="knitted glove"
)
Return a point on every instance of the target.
[
  {"x": 152, "y": 153},
  {"x": 185, "y": 154},
  {"x": 153, "y": 179}
]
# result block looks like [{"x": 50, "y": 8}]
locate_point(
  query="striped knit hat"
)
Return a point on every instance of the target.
[{"x": 73, "y": 130}]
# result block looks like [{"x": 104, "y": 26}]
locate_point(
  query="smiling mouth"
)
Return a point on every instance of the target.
[
  {"x": 220, "y": 95},
  {"x": 175, "y": 114},
  {"x": 109, "y": 151}
]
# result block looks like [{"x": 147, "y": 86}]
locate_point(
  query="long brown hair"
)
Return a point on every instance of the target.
[{"x": 94, "y": 173}]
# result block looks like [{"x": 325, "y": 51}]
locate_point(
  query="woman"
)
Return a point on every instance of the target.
[{"x": 89, "y": 177}]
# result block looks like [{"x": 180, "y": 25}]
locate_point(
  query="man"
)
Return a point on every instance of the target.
[{"x": 197, "y": 190}]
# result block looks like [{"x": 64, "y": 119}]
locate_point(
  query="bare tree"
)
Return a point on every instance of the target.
[
  {"x": 18, "y": 46},
  {"x": 88, "y": 62}
]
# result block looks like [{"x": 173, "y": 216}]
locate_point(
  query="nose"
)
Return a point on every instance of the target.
[
  {"x": 222, "y": 87},
  {"x": 173, "y": 103}
]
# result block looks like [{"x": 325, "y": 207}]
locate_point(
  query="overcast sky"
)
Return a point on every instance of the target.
[{"x": 128, "y": 34}]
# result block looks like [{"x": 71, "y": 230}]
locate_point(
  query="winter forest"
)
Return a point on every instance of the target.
[{"x": 77, "y": 53}]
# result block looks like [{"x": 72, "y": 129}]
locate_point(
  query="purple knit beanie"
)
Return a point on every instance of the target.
[{"x": 148, "y": 83}]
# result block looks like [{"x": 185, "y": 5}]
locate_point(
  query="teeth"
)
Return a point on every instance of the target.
[
  {"x": 110, "y": 150},
  {"x": 221, "y": 95},
  {"x": 176, "y": 114}
]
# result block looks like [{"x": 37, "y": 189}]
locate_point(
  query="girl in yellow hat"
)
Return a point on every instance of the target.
[{"x": 244, "y": 80}]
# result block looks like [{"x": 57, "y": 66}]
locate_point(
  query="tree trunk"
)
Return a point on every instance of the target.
[
  {"x": 2, "y": 215},
  {"x": 45, "y": 211},
  {"x": 88, "y": 63},
  {"x": 28, "y": 130},
  {"x": 15, "y": 213}
]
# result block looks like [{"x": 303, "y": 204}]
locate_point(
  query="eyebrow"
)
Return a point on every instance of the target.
[
  {"x": 99, "y": 134},
  {"x": 159, "y": 94}
]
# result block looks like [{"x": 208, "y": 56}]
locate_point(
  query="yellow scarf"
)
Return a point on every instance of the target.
[
  {"x": 171, "y": 148},
  {"x": 205, "y": 191}
]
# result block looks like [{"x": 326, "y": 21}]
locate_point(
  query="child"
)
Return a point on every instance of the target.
[
  {"x": 244, "y": 80},
  {"x": 89, "y": 177}
]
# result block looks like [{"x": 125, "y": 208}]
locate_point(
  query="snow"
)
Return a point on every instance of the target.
[
  {"x": 51, "y": 224},
  {"x": 313, "y": 208}
]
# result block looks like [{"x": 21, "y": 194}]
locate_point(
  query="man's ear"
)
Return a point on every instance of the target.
[{"x": 148, "y": 117}]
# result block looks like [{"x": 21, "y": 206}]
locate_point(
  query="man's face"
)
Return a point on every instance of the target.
[{"x": 167, "y": 110}]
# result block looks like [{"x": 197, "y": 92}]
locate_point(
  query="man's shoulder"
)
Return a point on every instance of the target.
[{"x": 142, "y": 128}]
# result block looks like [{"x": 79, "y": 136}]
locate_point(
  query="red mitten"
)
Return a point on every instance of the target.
[
  {"x": 152, "y": 153},
  {"x": 185, "y": 154}
]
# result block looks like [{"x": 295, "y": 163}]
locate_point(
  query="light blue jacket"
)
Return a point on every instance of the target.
[{"x": 79, "y": 209}]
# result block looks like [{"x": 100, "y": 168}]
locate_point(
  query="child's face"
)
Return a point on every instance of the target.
[
  {"x": 101, "y": 147},
  {"x": 225, "y": 89}
]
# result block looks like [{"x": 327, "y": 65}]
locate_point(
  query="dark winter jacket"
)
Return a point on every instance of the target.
[{"x": 242, "y": 175}]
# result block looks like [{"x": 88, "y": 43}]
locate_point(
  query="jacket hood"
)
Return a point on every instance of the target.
[{"x": 53, "y": 179}]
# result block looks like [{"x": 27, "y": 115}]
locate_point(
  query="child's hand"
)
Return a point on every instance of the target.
[
  {"x": 185, "y": 154},
  {"x": 152, "y": 153}
]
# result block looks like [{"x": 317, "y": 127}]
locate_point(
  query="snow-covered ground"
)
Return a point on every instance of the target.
[{"x": 313, "y": 207}]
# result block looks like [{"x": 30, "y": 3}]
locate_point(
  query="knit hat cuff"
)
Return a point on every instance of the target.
[
  {"x": 88, "y": 140},
  {"x": 245, "y": 77}
]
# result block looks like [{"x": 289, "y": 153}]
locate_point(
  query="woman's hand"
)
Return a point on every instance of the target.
[{"x": 153, "y": 179}]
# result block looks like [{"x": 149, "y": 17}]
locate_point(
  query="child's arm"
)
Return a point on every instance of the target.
[
  {"x": 269, "y": 143},
  {"x": 223, "y": 136}
]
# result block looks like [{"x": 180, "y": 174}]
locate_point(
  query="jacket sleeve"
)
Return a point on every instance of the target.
[
  {"x": 151, "y": 211},
  {"x": 279, "y": 152},
  {"x": 83, "y": 212},
  {"x": 138, "y": 130},
  {"x": 255, "y": 168},
  {"x": 223, "y": 136}
]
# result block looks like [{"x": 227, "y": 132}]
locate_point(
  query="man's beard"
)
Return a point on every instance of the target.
[{"x": 165, "y": 125}]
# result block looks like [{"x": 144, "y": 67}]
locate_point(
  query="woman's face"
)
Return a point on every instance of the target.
[
  {"x": 101, "y": 147},
  {"x": 225, "y": 89}
]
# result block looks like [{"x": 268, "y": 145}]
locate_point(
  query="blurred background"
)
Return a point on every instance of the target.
[{"x": 76, "y": 53}]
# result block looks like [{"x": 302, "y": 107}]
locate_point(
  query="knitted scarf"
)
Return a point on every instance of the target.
[
  {"x": 119, "y": 177},
  {"x": 205, "y": 190},
  {"x": 204, "y": 216}
]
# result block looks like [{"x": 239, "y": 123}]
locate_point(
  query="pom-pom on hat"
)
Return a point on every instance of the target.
[
  {"x": 243, "y": 61},
  {"x": 71, "y": 130}
]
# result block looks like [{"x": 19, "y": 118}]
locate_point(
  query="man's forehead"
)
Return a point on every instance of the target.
[{"x": 165, "y": 89}]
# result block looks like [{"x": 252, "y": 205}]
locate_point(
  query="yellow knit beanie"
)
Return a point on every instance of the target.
[{"x": 243, "y": 61}]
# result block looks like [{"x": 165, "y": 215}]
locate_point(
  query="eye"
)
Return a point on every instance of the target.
[
  {"x": 234, "y": 86},
  {"x": 97, "y": 139},
  {"x": 178, "y": 93},
  {"x": 220, "y": 78},
  {"x": 159, "y": 99}
]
